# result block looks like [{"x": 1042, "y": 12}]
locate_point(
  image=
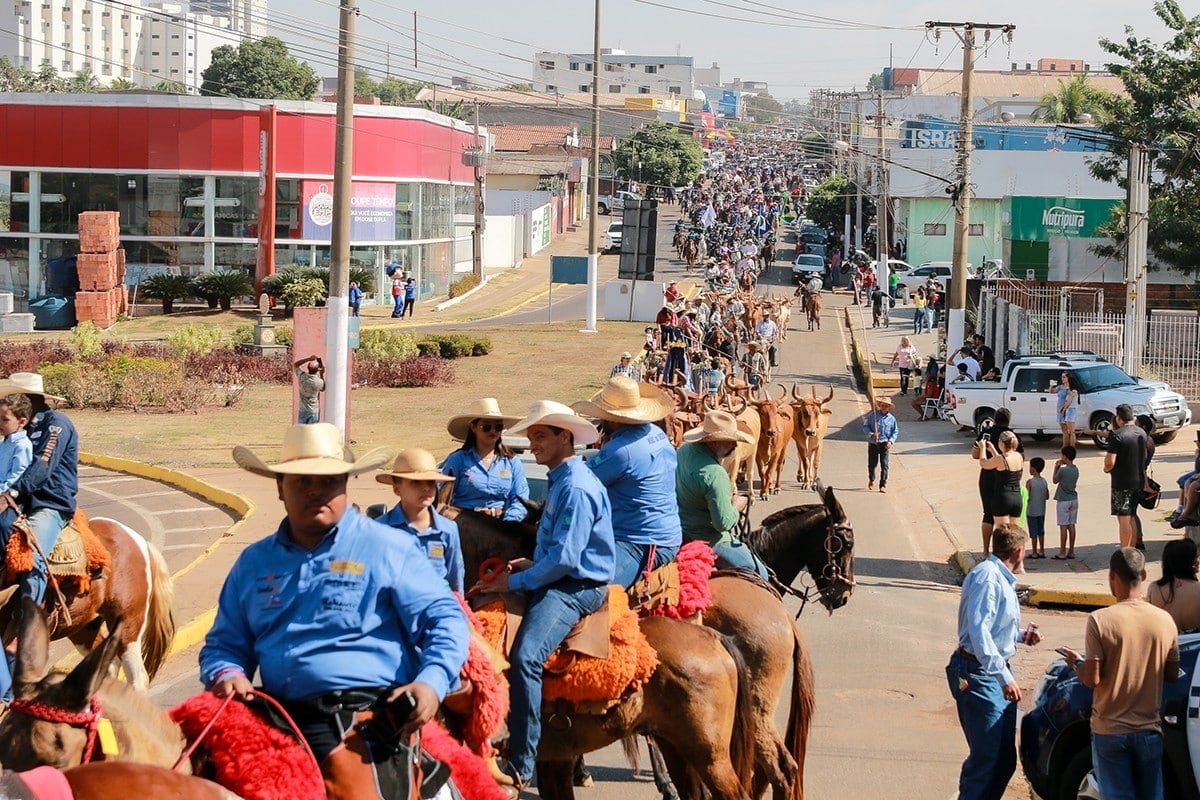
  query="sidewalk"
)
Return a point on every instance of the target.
[{"x": 940, "y": 455}]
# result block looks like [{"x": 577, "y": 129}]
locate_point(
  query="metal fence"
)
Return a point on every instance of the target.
[{"x": 1036, "y": 320}]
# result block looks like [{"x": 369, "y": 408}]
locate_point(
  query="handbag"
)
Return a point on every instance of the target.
[{"x": 1151, "y": 494}]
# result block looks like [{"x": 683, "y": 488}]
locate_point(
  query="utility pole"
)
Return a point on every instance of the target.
[
  {"x": 337, "y": 320},
  {"x": 960, "y": 191},
  {"x": 1137, "y": 220},
  {"x": 881, "y": 213},
  {"x": 593, "y": 268},
  {"x": 477, "y": 231},
  {"x": 858, "y": 174}
]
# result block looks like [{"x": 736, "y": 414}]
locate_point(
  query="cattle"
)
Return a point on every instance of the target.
[
  {"x": 785, "y": 314},
  {"x": 739, "y": 463},
  {"x": 777, "y": 421},
  {"x": 810, "y": 427},
  {"x": 812, "y": 309}
]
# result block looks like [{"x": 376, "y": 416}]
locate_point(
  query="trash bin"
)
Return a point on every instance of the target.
[{"x": 53, "y": 312}]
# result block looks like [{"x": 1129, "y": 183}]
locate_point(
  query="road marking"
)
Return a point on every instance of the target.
[
  {"x": 192, "y": 510},
  {"x": 162, "y": 493},
  {"x": 94, "y": 481},
  {"x": 190, "y": 546}
]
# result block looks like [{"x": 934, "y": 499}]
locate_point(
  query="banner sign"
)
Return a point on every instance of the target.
[
  {"x": 1039, "y": 219},
  {"x": 372, "y": 211}
]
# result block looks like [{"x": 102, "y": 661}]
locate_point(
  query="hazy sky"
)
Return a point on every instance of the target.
[{"x": 785, "y": 44}]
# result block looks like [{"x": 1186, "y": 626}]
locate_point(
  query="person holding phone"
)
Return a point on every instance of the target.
[{"x": 311, "y": 383}]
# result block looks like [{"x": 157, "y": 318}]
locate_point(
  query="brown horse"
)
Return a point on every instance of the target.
[
  {"x": 136, "y": 587},
  {"x": 691, "y": 252},
  {"x": 115, "y": 780},
  {"x": 812, "y": 309}
]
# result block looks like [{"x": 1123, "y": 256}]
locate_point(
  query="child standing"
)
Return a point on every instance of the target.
[
  {"x": 1035, "y": 507},
  {"x": 1066, "y": 478},
  {"x": 415, "y": 478}
]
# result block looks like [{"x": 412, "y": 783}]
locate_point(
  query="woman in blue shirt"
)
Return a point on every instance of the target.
[
  {"x": 414, "y": 479},
  {"x": 488, "y": 476}
]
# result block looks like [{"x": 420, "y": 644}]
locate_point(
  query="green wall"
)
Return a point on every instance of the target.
[{"x": 922, "y": 211}]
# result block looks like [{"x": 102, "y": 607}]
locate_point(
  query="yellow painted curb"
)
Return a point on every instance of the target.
[
  {"x": 192, "y": 633},
  {"x": 1069, "y": 597}
]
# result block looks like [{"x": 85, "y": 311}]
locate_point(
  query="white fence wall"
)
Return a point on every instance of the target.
[{"x": 503, "y": 241}]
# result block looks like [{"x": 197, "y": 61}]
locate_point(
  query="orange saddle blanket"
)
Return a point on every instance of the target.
[{"x": 77, "y": 556}]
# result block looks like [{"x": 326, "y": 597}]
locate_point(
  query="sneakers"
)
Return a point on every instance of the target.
[
  {"x": 882, "y": 489},
  {"x": 1184, "y": 522}
]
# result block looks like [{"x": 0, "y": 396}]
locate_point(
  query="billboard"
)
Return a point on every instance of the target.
[
  {"x": 372, "y": 211},
  {"x": 1038, "y": 219}
]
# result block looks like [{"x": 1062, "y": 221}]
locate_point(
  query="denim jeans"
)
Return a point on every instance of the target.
[
  {"x": 549, "y": 616},
  {"x": 398, "y": 305},
  {"x": 735, "y": 554},
  {"x": 631, "y": 561},
  {"x": 878, "y": 455},
  {"x": 309, "y": 417},
  {"x": 6, "y": 694},
  {"x": 1129, "y": 765},
  {"x": 46, "y": 524},
  {"x": 989, "y": 722}
]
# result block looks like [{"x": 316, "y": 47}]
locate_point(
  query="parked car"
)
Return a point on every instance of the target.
[
  {"x": 818, "y": 250},
  {"x": 806, "y": 266},
  {"x": 612, "y": 238},
  {"x": 916, "y": 277},
  {"x": 1055, "y": 747},
  {"x": 614, "y": 203},
  {"x": 1027, "y": 389},
  {"x": 902, "y": 268}
]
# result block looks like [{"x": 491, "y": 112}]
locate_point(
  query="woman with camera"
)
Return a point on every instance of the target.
[{"x": 987, "y": 476}]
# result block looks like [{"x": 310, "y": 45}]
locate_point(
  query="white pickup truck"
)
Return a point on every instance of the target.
[{"x": 1026, "y": 389}]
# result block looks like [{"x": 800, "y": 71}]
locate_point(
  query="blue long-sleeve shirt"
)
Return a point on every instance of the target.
[
  {"x": 889, "y": 430},
  {"x": 637, "y": 467},
  {"x": 498, "y": 486},
  {"x": 16, "y": 454},
  {"x": 439, "y": 542},
  {"x": 52, "y": 478},
  {"x": 574, "y": 538},
  {"x": 989, "y": 617},
  {"x": 364, "y": 609}
]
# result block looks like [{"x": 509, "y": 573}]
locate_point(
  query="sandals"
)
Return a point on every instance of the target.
[{"x": 1061, "y": 558}]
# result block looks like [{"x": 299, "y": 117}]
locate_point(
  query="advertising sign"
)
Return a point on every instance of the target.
[
  {"x": 1038, "y": 219},
  {"x": 372, "y": 211},
  {"x": 540, "y": 228}
]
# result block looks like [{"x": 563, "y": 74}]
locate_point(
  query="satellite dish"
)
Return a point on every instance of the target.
[{"x": 1008, "y": 116}]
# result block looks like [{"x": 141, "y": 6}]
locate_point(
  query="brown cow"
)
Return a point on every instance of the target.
[
  {"x": 739, "y": 463},
  {"x": 812, "y": 309},
  {"x": 810, "y": 427},
  {"x": 777, "y": 419}
]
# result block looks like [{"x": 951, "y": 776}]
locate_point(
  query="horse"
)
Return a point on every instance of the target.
[
  {"x": 691, "y": 252},
  {"x": 812, "y": 309},
  {"x": 136, "y": 587},
  {"x": 106, "y": 780}
]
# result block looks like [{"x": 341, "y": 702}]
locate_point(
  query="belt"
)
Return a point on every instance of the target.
[
  {"x": 344, "y": 700},
  {"x": 964, "y": 653}
]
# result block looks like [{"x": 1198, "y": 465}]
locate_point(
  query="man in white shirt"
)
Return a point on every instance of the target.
[
  {"x": 767, "y": 330},
  {"x": 964, "y": 356}
]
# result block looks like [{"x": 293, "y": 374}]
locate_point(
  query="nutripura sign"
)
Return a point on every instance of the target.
[
  {"x": 1038, "y": 219},
  {"x": 372, "y": 211}
]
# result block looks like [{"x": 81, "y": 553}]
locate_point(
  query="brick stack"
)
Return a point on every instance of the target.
[{"x": 101, "y": 267}]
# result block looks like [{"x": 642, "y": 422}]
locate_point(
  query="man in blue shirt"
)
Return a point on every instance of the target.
[
  {"x": 335, "y": 611},
  {"x": 46, "y": 491},
  {"x": 981, "y": 683},
  {"x": 568, "y": 577},
  {"x": 637, "y": 467},
  {"x": 882, "y": 430}
]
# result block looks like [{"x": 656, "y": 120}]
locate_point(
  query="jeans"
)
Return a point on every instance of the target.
[
  {"x": 46, "y": 524},
  {"x": 551, "y": 613},
  {"x": 772, "y": 355},
  {"x": 398, "y": 305},
  {"x": 878, "y": 455},
  {"x": 1129, "y": 765},
  {"x": 989, "y": 723},
  {"x": 735, "y": 554},
  {"x": 409, "y": 304},
  {"x": 631, "y": 561},
  {"x": 904, "y": 371},
  {"x": 309, "y": 417}
]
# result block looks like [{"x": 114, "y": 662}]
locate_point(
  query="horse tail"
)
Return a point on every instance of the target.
[
  {"x": 801, "y": 713},
  {"x": 741, "y": 744},
  {"x": 160, "y": 620}
]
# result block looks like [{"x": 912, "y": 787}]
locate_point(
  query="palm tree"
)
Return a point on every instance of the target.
[
  {"x": 122, "y": 83},
  {"x": 1073, "y": 98}
]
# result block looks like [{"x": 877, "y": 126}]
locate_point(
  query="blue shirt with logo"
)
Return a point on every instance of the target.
[
  {"x": 637, "y": 467},
  {"x": 989, "y": 617},
  {"x": 497, "y": 486},
  {"x": 439, "y": 542},
  {"x": 52, "y": 479}
]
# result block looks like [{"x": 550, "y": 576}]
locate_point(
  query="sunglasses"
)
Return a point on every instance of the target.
[{"x": 488, "y": 427}]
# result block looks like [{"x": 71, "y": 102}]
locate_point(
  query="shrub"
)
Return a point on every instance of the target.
[
  {"x": 72, "y": 381},
  {"x": 481, "y": 345},
  {"x": 192, "y": 339},
  {"x": 403, "y": 373},
  {"x": 463, "y": 285},
  {"x": 222, "y": 286},
  {"x": 304, "y": 292},
  {"x": 455, "y": 345},
  {"x": 387, "y": 344},
  {"x": 225, "y": 365},
  {"x": 276, "y": 285},
  {"x": 29, "y": 356},
  {"x": 85, "y": 338},
  {"x": 429, "y": 347},
  {"x": 167, "y": 288}
]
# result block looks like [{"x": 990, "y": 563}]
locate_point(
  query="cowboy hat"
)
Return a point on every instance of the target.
[
  {"x": 884, "y": 401},
  {"x": 557, "y": 415},
  {"x": 754, "y": 344},
  {"x": 626, "y": 355},
  {"x": 486, "y": 408},
  {"x": 315, "y": 449},
  {"x": 26, "y": 383},
  {"x": 718, "y": 426},
  {"x": 416, "y": 465},
  {"x": 625, "y": 400}
]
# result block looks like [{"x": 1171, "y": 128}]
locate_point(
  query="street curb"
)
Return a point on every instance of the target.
[
  {"x": 192, "y": 633},
  {"x": 453, "y": 301},
  {"x": 1069, "y": 597}
]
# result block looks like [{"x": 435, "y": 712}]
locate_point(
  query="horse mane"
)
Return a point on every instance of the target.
[
  {"x": 122, "y": 703},
  {"x": 774, "y": 536}
]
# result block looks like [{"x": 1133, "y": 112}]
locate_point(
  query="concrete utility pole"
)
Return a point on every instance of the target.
[
  {"x": 881, "y": 214},
  {"x": 477, "y": 230},
  {"x": 960, "y": 192},
  {"x": 593, "y": 268},
  {"x": 337, "y": 320},
  {"x": 858, "y": 174},
  {"x": 1137, "y": 221}
]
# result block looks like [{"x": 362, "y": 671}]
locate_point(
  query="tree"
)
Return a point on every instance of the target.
[
  {"x": 46, "y": 80},
  {"x": 119, "y": 84},
  {"x": 763, "y": 108},
  {"x": 875, "y": 82},
  {"x": 170, "y": 87},
  {"x": 1073, "y": 98},
  {"x": 260, "y": 69},
  {"x": 826, "y": 202},
  {"x": 394, "y": 92},
  {"x": 667, "y": 157},
  {"x": 455, "y": 110},
  {"x": 1162, "y": 81}
]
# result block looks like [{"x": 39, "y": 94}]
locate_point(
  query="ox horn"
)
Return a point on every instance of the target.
[
  {"x": 745, "y": 403},
  {"x": 782, "y": 393},
  {"x": 830, "y": 397},
  {"x": 680, "y": 397},
  {"x": 796, "y": 394}
]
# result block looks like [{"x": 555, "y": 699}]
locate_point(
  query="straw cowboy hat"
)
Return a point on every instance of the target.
[
  {"x": 718, "y": 426},
  {"x": 557, "y": 415},
  {"x": 416, "y": 465},
  {"x": 884, "y": 401},
  {"x": 315, "y": 449},
  {"x": 26, "y": 383},
  {"x": 625, "y": 400},
  {"x": 485, "y": 408}
]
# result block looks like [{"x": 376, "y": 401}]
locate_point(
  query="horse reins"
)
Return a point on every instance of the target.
[
  {"x": 271, "y": 701},
  {"x": 831, "y": 571},
  {"x": 88, "y": 719}
]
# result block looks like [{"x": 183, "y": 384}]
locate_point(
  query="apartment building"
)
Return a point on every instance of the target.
[{"x": 621, "y": 73}]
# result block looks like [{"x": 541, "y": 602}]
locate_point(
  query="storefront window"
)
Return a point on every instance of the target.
[
  {"x": 408, "y": 206},
  {"x": 236, "y": 207},
  {"x": 287, "y": 208},
  {"x": 237, "y": 256},
  {"x": 65, "y": 195},
  {"x": 437, "y": 211},
  {"x": 294, "y": 255},
  {"x": 17, "y": 212},
  {"x": 14, "y": 266},
  {"x": 184, "y": 258}
]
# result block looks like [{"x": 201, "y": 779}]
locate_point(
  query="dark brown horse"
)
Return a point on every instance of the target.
[
  {"x": 136, "y": 587},
  {"x": 118, "y": 780}
]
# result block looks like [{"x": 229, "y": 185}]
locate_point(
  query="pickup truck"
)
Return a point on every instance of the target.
[
  {"x": 609, "y": 203},
  {"x": 1025, "y": 388}
]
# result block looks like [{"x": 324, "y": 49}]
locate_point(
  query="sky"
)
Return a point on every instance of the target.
[{"x": 794, "y": 45}]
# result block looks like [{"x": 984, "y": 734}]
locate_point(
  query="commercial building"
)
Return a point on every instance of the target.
[
  {"x": 185, "y": 173},
  {"x": 622, "y": 73}
]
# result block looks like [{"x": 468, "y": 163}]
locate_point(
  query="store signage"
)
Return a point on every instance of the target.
[
  {"x": 372, "y": 211},
  {"x": 1039, "y": 219},
  {"x": 932, "y": 138}
]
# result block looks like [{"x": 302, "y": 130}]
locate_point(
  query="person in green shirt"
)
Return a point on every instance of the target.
[
  {"x": 708, "y": 509},
  {"x": 893, "y": 282}
]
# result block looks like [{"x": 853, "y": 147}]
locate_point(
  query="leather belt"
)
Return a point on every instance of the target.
[
  {"x": 345, "y": 700},
  {"x": 964, "y": 653}
]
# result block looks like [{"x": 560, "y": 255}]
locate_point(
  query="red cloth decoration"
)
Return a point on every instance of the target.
[
  {"x": 696, "y": 560},
  {"x": 468, "y": 771}
]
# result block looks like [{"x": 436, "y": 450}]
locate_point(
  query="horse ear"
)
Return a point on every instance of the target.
[
  {"x": 33, "y": 644},
  {"x": 82, "y": 683}
]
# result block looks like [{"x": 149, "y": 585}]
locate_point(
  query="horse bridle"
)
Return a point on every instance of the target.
[
  {"x": 88, "y": 719},
  {"x": 836, "y": 541}
]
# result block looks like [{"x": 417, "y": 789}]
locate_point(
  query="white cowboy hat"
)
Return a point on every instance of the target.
[
  {"x": 416, "y": 465},
  {"x": 625, "y": 400},
  {"x": 315, "y": 449},
  {"x": 557, "y": 415},
  {"x": 26, "y": 383},
  {"x": 884, "y": 401},
  {"x": 485, "y": 408},
  {"x": 719, "y": 426}
]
